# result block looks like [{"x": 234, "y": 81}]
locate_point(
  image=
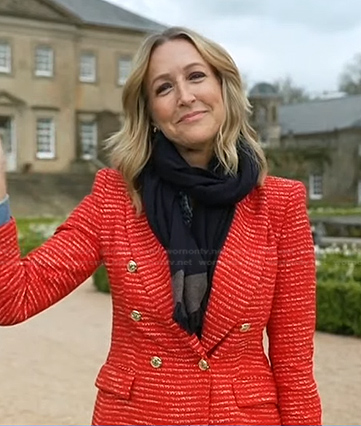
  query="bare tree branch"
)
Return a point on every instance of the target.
[{"x": 350, "y": 78}]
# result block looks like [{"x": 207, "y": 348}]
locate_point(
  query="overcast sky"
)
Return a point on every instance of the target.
[{"x": 309, "y": 40}]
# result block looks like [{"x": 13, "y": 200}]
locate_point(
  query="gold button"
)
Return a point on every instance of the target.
[
  {"x": 245, "y": 327},
  {"x": 136, "y": 316},
  {"x": 203, "y": 365},
  {"x": 156, "y": 362},
  {"x": 132, "y": 266}
]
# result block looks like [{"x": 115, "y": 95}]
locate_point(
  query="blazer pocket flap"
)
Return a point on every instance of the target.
[
  {"x": 254, "y": 390},
  {"x": 116, "y": 380}
]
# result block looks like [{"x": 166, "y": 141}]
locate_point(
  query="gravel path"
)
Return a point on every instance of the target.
[{"x": 48, "y": 366}]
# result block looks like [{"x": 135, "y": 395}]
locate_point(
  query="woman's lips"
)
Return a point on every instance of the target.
[{"x": 193, "y": 116}]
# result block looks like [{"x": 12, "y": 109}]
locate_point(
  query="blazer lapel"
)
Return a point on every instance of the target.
[
  {"x": 236, "y": 276},
  {"x": 239, "y": 268},
  {"x": 153, "y": 267},
  {"x": 152, "y": 261}
]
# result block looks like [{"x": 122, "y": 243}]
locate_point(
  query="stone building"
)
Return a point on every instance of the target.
[
  {"x": 317, "y": 142},
  {"x": 62, "y": 67}
]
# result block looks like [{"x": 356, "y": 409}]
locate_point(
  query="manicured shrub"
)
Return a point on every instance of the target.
[
  {"x": 339, "y": 265},
  {"x": 33, "y": 232},
  {"x": 339, "y": 307},
  {"x": 339, "y": 290},
  {"x": 100, "y": 280}
]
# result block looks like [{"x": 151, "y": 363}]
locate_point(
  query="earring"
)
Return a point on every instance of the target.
[{"x": 155, "y": 129}]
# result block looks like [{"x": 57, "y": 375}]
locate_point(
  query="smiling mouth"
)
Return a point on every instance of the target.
[{"x": 192, "y": 117}]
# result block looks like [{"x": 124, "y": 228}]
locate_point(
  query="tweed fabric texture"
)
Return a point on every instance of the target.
[{"x": 264, "y": 278}]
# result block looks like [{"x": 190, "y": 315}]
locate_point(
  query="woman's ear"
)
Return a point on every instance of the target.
[{"x": 154, "y": 126}]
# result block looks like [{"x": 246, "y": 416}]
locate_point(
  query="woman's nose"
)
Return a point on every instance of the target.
[{"x": 185, "y": 94}]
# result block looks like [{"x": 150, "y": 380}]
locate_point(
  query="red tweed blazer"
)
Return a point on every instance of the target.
[{"x": 155, "y": 372}]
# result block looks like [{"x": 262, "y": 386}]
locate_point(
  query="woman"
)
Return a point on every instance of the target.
[{"x": 203, "y": 253}]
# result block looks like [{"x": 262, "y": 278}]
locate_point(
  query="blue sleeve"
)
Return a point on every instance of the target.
[{"x": 4, "y": 210}]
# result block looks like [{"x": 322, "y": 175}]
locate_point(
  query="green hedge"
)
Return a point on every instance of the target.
[
  {"x": 32, "y": 232},
  {"x": 100, "y": 280},
  {"x": 339, "y": 291},
  {"x": 339, "y": 307},
  {"x": 340, "y": 266}
]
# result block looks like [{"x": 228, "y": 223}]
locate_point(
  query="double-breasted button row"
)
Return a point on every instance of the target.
[
  {"x": 157, "y": 362},
  {"x": 132, "y": 266}
]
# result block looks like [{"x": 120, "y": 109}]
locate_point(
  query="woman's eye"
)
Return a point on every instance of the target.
[
  {"x": 197, "y": 75},
  {"x": 163, "y": 88}
]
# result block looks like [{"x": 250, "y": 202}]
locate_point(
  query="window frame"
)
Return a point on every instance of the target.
[
  {"x": 121, "y": 80},
  {"x": 313, "y": 194},
  {"x": 46, "y": 155},
  {"x": 88, "y": 78},
  {"x": 94, "y": 124},
  {"x": 44, "y": 73},
  {"x": 8, "y": 58}
]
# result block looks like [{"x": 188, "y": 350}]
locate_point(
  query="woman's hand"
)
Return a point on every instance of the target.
[{"x": 2, "y": 172}]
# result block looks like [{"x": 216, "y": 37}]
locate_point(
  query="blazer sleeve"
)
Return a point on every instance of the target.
[
  {"x": 31, "y": 284},
  {"x": 292, "y": 322}
]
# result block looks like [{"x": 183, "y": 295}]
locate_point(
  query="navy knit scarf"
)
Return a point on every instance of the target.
[{"x": 192, "y": 236}]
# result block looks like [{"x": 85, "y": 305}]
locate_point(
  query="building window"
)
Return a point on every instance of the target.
[
  {"x": 44, "y": 61},
  {"x": 45, "y": 138},
  {"x": 88, "y": 140},
  {"x": 316, "y": 186},
  {"x": 124, "y": 69},
  {"x": 87, "y": 72},
  {"x": 5, "y": 57}
]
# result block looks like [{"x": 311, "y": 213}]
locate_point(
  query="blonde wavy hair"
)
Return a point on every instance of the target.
[{"x": 130, "y": 148}]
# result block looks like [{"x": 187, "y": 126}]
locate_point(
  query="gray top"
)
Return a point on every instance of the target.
[
  {"x": 321, "y": 116},
  {"x": 4, "y": 210},
  {"x": 100, "y": 12}
]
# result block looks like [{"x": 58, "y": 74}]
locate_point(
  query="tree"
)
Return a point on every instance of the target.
[
  {"x": 289, "y": 92},
  {"x": 350, "y": 78}
]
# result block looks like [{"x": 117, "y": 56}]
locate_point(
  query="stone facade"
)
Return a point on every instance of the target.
[
  {"x": 32, "y": 103},
  {"x": 335, "y": 156},
  {"x": 328, "y": 162}
]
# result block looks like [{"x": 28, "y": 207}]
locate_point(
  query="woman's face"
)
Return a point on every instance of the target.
[{"x": 185, "y": 96}]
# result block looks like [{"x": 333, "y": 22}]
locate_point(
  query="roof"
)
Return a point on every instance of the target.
[
  {"x": 321, "y": 116},
  {"x": 100, "y": 12},
  {"x": 263, "y": 90}
]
